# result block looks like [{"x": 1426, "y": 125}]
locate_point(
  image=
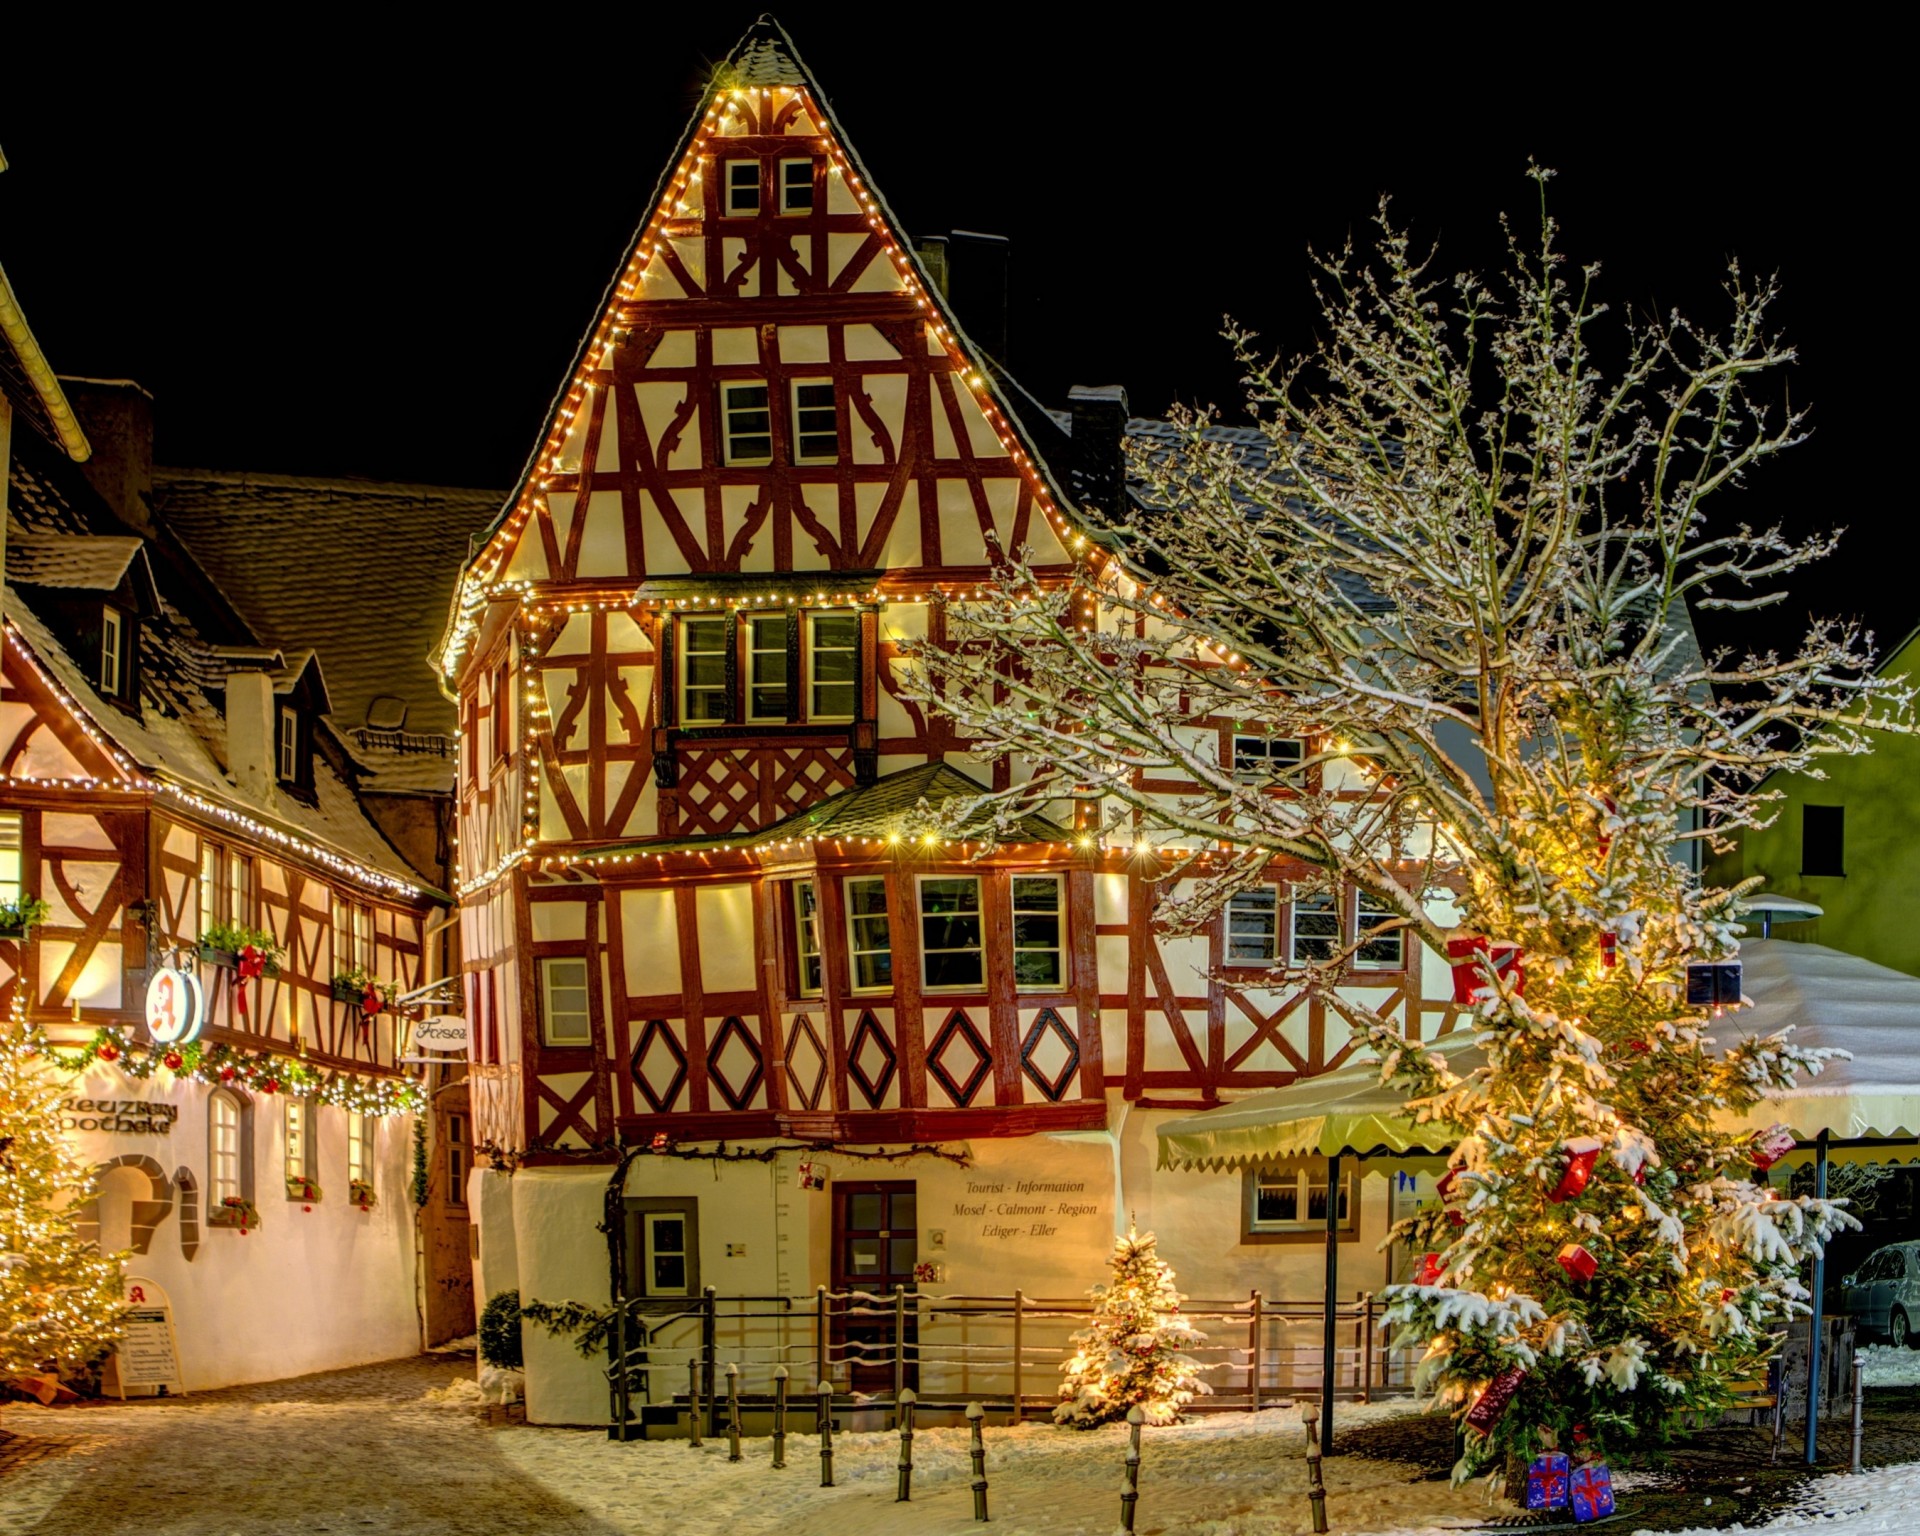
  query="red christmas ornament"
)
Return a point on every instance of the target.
[
  {"x": 1726, "y": 1293},
  {"x": 172, "y": 1061},
  {"x": 1577, "y": 1262},
  {"x": 306, "y": 1208},
  {"x": 1487, "y": 1408},
  {"x": 370, "y": 1000},
  {"x": 271, "y": 1085},
  {"x": 1472, "y": 956},
  {"x": 1582, "y": 1153},
  {"x": 252, "y": 964},
  {"x": 1772, "y": 1144},
  {"x": 1639, "y": 1047},
  {"x": 1430, "y": 1270},
  {"x": 228, "y": 1074},
  {"x": 109, "y": 1053},
  {"x": 1609, "y": 948}
]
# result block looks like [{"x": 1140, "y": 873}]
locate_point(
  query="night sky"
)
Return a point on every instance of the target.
[{"x": 357, "y": 250}]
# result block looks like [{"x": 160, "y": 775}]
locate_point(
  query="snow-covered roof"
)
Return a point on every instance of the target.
[
  {"x": 77, "y": 562},
  {"x": 28, "y": 382}
]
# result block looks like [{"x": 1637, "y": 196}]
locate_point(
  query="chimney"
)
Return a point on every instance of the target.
[
  {"x": 932, "y": 251},
  {"x": 250, "y": 731},
  {"x": 1099, "y": 446},
  {"x": 117, "y": 416},
  {"x": 976, "y": 287}
]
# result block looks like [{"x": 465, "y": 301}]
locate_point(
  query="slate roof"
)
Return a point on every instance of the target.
[
  {"x": 77, "y": 562},
  {"x": 362, "y": 571},
  {"x": 179, "y": 736}
]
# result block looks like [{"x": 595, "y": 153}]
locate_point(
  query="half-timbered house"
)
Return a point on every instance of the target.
[
  {"x": 701, "y": 915},
  {"x": 198, "y": 909}
]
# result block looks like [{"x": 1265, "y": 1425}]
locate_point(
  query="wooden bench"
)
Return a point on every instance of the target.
[{"x": 1763, "y": 1396}]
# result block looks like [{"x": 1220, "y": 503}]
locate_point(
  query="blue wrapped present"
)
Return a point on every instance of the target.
[
  {"x": 1591, "y": 1491},
  {"x": 1547, "y": 1482}
]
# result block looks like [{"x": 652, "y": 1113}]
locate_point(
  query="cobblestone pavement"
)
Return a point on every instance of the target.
[{"x": 346, "y": 1451}]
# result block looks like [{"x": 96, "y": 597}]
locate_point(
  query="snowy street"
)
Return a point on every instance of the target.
[{"x": 401, "y": 1448}]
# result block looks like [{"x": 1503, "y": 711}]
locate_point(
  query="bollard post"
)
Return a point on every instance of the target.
[
  {"x": 1366, "y": 1347},
  {"x": 733, "y": 1412},
  {"x": 779, "y": 1417},
  {"x": 820, "y": 1333},
  {"x": 1253, "y": 1354},
  {"x": 899, "y": 1341},
  {"x": 976, "y": 1416},
  {"x": 825, "y": 1394},
  {"x": 693, "y": 1399},
  {"x": 1316, "y": 1489},
  {"x": 1859, "y": 1405},
  {"x": 1130, "y": 1485},
  {"x": 905, "y": 1410},
  {"x": 1019, "y": 1341}
]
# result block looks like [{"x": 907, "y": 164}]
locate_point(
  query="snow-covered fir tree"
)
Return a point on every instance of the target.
[
  {"x": 1135, "y": 1350},
  {"x": 60, "y": 1299},
  {"x": 1453, "y": 555}
]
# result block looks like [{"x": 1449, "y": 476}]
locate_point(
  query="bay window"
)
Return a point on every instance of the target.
[{"x": 952, "y": 939}]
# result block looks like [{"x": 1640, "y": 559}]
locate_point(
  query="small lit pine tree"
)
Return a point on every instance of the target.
[
  {"x": 1136, "y": 1350},
  {"x": 60, "y": 1298}
]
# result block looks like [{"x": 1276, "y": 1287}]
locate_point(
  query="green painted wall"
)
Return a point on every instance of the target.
[{"x": 1874, "y": 908}]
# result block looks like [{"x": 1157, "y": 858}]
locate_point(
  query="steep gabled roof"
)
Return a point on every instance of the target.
[
  {"x": 27, "y": 380},
  {"x": 79, "y": 562}
]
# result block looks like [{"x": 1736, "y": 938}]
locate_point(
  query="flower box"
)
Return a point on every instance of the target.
[
  {"x": 234, "y": 1213},
  {"x": 302, "y": 1189},
  {"x": 229, "y": 960},
  {"x": 20, "y": 915},
  {"x": 345, "y": 991},
  {"x": 360, "y": 1192},
  {"x": 13, "y": 930}
]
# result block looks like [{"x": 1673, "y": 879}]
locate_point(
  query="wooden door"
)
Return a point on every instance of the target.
[
  {"x": 449, "y": 1231},
  {"x": 876, "y": 1243}
]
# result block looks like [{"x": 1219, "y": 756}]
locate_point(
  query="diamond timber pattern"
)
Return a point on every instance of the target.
[
  {"x": 806, "y": 1062},
  {"x": 659, "y": 1065},
  {"x": 733, "y": 789},
  {"x": 871, "y": 1059},
  {"x": 734, "y": 1063},
  {"x": 959, "y": 1059},
  {"x": 1050, "y": 1055}
]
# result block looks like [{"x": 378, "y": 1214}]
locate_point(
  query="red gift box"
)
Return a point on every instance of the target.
[
  {"x": 1431, "y": 1269},
  {"x": 1487, "y": 1408},
  {"x": 1770, "y": 1146},
  {"x": 1472, "y": 957},
  {"x": 1577, "y": 1262},
  {"x": 1590, "y": 1492},
  {"x": 1582, "y": 1153}
]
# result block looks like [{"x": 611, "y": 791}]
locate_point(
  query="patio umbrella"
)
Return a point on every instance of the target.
[{"x": 1344, "y": 1113}]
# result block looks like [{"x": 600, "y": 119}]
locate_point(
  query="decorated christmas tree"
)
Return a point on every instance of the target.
[
  {"x": 1442, "y": 579},
  {"x": 60, "y": 1298},
  {"x": 1136, "y": 1350}
]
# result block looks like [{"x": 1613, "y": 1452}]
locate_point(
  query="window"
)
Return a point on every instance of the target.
[
  {"x": 746, "y": 421},
  {"x": 806, "y": 938},
  {"x": 1823, "y": 839},
  {"x": 1253, "y": 927},
  {"x": 1282, "y": 1200},
  {"x": 502, "y": 713},
  {"x": 743, "y": 186},
  {"x": 663, "y": 1247},
  {"x": 950, "y": 931},
  {"x": 563, "y": 1002},
  {"x": 209, "y": 885},
  {"x": 868, "y": 940},
  {"x": 359, "y": 1149},
  {"x": 1262, "y": 759},
  {"x": 796, "y": 186},
  {"x": 458, "y": 1159},
  {"x": 1316, "y": 930},
  {"x": 239, "y": 889},
  {"x": 1039, "y": 925},
  {"x": 344, "y": 956},
  {"x": 704, "y": 649},
  {"x": 226, "y": 1151},
  {"x": 299, "y": 1148},
  {"x": 833, "y": 666},
  {"x": 112, "y": 652},
  {"x": 363, "y": 954},
  {"x": 1378, "y": 951},
  {"x": 287, "y": 746},
  {"x": 816, "y": 422},
  {"x": 767, "y": 667},
  {"x": 9, "y": 855}
]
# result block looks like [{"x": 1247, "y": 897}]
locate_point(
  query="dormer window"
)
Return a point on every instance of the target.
[
  {"x": 743, "y": 187},
  {"x": 114, "y": 669},
  {"x": 287, "y": 746}
]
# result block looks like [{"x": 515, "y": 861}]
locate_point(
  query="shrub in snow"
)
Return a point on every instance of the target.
[{"x": 1135, "y": 1350}]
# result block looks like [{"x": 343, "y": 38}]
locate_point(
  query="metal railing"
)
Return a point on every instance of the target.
[{"x": 1003, "y": 1351}]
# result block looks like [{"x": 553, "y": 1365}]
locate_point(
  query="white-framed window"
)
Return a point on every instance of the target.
[
  {"x": 667, "y": 1252},
  {"x": 359, "y": 1148},
  {"x": 746, "y": 422},
  {"x": 210, "y": 887},
  {"x": 806, "y": 938},
  {"x": 1039, "y": 933},
  {"x": 767, "y": 666},
  {"x": 833, "y": 665},
  {"x": 344, "y": 956},
  {"x": 796, "y": 186},
  {"x": 287, "y": 745},
  {"x": 1253, "y": 926},
  {"x": 10, "y": 855},
  {"x": 226, "y": 1161},
  {"x": 459, "y": 1159},
  {"x": 1261, "y": 759},
  {"x": 869, "y": 942},
  {"x": 952, "y": 933},
  {"x": 112, "y": 652},
  {"x": 363, "y": 953},
  {"x": 564, "y": 1013},
  {"x": 743, "y": 186},
  {"x": 1376, "y": 951},
  {"x": 239, "y": 888},
  {"x": 299, "y": 1130},
  {"x": 1314, "y": 935},
  {"x": 1294, "y": 1200},
  {"x": 500, "y": 712},
  {"x": 816, "y": 422},
  {"x": 703, "y": 670}
]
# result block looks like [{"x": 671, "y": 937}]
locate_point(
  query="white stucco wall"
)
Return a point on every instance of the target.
[
  {"x": 562, "y": 1257},
  {"x": 306, "y": 1290}
]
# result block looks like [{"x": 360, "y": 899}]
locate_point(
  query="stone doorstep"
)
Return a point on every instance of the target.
[{"x": 498, "y": 1416}]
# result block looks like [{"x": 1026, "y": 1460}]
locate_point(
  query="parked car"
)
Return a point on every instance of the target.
[{"x": 1883, "y": 1294}]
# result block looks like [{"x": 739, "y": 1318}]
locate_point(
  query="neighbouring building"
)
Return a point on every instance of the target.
[
  {"x": 173, "y": 789},
  {"x": 703, "y": 954}
]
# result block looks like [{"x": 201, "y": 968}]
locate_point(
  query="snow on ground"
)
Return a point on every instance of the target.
[
  {"x": 1891, "y": 1367},
  {"x": 1884, "y": 1502}
]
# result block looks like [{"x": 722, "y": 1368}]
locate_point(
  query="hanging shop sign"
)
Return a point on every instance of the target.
[
  {"x": 440, "y": 1036},
  {"x": 148, "y": 1355},
  {"x": 176, "y": 1006}
]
